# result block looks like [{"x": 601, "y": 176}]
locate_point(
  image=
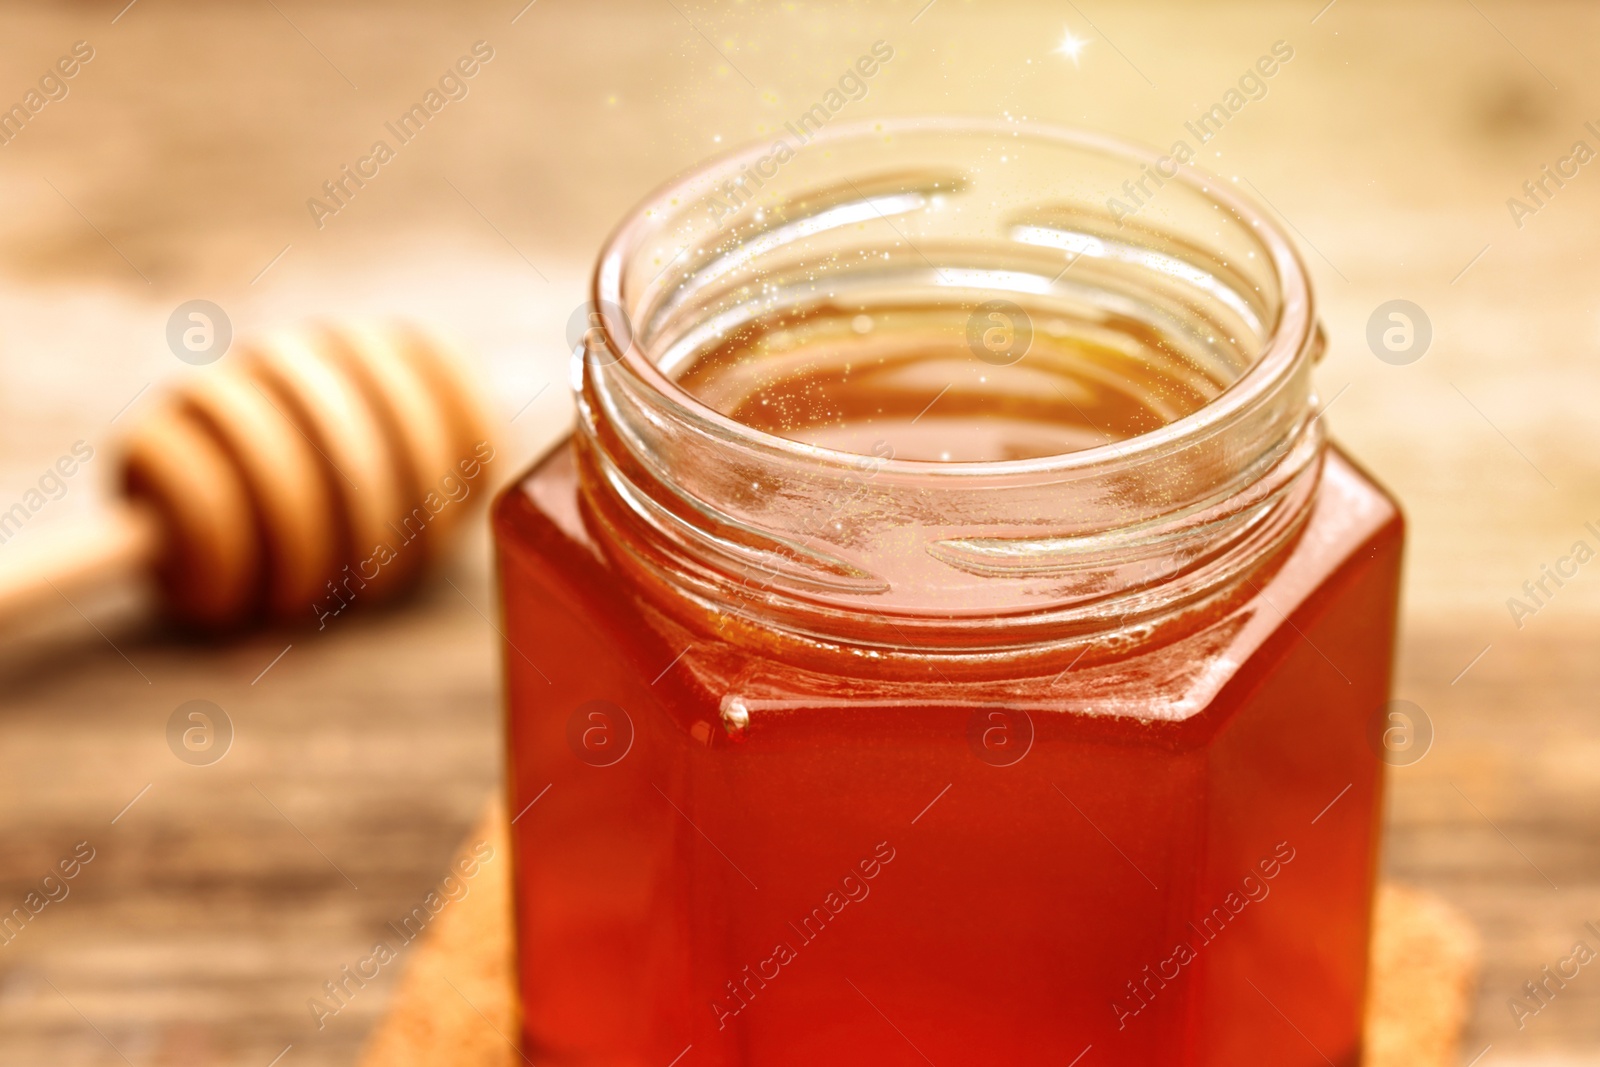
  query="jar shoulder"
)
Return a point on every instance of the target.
[{"x": 1342, "y": 572}]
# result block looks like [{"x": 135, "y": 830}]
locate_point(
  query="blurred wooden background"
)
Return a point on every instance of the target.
[{"x": 178, "y": 167}]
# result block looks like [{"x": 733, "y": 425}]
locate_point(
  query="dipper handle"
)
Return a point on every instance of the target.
[{"x": 83, "y": 555}]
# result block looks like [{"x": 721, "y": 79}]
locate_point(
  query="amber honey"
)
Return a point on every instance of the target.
[{"x": 883, "y": 690}]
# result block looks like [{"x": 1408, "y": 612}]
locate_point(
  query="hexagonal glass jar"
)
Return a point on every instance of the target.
[{"x": 947, "y": 636}]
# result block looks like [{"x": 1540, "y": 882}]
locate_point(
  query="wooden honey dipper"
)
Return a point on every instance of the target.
[{"x": 312, "y": 468}]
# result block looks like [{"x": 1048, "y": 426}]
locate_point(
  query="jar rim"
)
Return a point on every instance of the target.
[{"x": 1286, "y": 341}]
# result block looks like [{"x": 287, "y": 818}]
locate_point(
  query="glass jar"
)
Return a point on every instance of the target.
[{"x": 947, "y": 636}]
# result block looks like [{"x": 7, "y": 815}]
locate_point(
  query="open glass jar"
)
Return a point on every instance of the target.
[{"x": 947, "y": 635}]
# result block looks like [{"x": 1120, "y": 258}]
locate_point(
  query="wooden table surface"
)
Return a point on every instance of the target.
[{"x": 179, "y": 164}]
